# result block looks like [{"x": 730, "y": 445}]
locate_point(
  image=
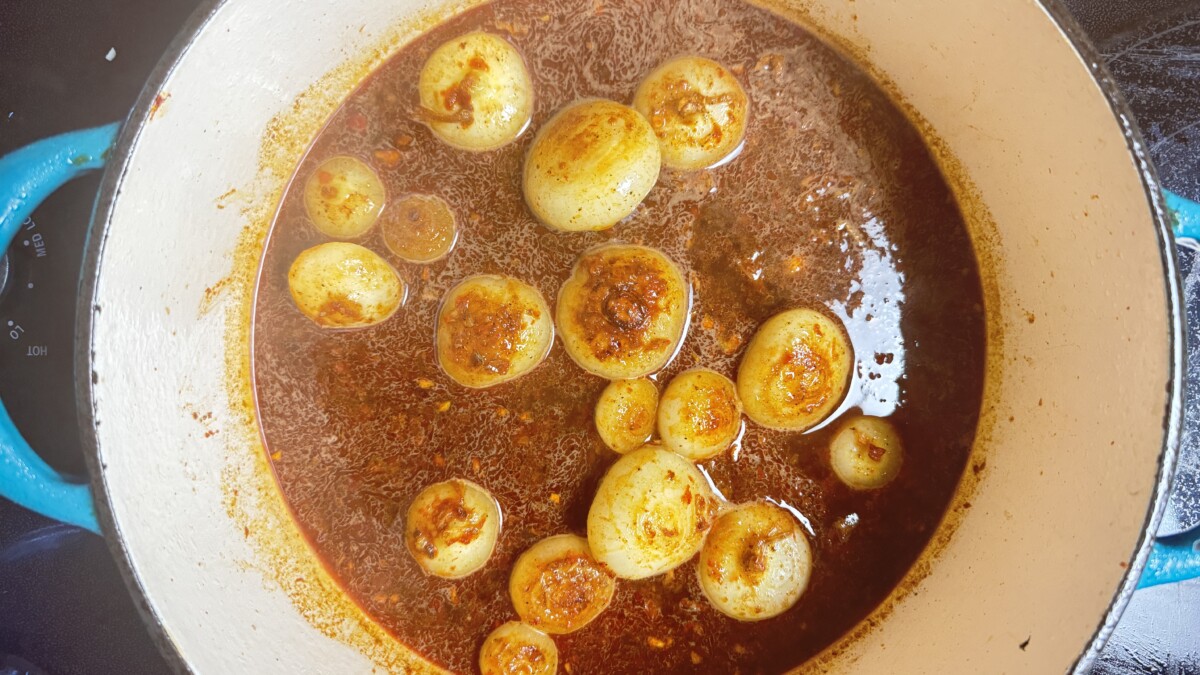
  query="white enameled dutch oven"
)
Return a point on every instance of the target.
[{"x": 1077, "y": 440}]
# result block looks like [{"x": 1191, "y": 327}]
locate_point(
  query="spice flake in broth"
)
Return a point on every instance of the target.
[{"x": 833, "y": 203}]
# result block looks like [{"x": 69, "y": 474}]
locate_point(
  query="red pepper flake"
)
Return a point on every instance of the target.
[
  {"x": 515, "y": 28},
  {"x": 324, "y": 177},
  {"x": 357, "y": 122},
  {"x": 439, "y": 460},
  {"x": 156, "y": 107},
  {"x": 475, "y": 466},
  {"x": 403, "y": 140},
  {"x": 389, "y": 158},
  {"x": 658, "y": 643}
]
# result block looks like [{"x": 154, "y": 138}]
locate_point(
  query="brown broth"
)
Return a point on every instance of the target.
[{"x": 834, "y": 202}]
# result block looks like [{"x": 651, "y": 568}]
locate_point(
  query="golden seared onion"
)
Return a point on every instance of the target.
[
  {"x": 590, "y": 166},
  {"x": 866, "y": 452},
  {"x": 451, "y": 528},
  {"x": 518, "y": 649},
  {"x": 343, "y": 285},
  {"x": 795, "y": 370},
  {"x": 623, "y": 311},
  {"x": 625, "y": 414},
  {"x": 650, "y": 513},
  {"x": 558, "y": 587},
  {"x": 343, "y": 197},
  {"x": 475, "y": 92},
  {"x": 419, "y": 228},
  {"x": 700, "y": 414},
  {"x": 697, "y": 109},
  {"x": 755, "y": 563},
  {"x": 492, "y": 329}
]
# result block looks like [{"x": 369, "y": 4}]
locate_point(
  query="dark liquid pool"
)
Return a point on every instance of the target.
[{"x": 834, "y": 203}]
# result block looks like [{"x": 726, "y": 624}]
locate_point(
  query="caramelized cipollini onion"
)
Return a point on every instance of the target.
[
  {"x": 343, "y": 197},
  {"x": 451, "y": 528},
  {"x": 650, "y": 513},
  {"x": 623, "y": 311},
  {"x": 755, "y": 563},
  {"x": 697, "y": 109},
  {"x": 795, "y": 371},
  {"x": 557, "y": 586},
  {"x": 516, "y": 648},
  {"x": 419, "y": 228},
  {"x": 344, "y": 285},
  {"x": 865, "y": 452},
  {"x": 475, "y": 92},
  {"x": 590, "y": 166},
  {"x": 492, "y": 329},
  {"x": 699, "y": 415},
  {"x": 625, "y": 414}
]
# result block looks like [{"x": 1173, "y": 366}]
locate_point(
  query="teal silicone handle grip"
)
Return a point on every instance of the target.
[
  {"x": 1176, "y": 558},
  {"x": 1172, "y": 559},
  {"x": 27, "y": 176},
  {"x": 1185, "y": 215}
]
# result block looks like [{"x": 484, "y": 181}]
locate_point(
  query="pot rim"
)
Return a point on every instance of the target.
[
  {"x": 140, "y": 114},
  {"x": 114, "y": 173},
  {"x": 1173, "y": 415}
]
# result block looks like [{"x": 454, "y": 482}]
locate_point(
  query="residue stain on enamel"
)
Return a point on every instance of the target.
[{"x": 252, "y": 501}]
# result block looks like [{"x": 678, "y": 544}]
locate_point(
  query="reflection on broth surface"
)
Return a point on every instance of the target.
[{"x": 831, "y": 203}]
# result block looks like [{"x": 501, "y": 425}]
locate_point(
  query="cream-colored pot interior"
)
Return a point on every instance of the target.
[{"x": 1079, "y": 382}]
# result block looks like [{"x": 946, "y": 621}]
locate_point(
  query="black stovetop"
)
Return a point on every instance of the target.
[{"x": 66, "y": 64}]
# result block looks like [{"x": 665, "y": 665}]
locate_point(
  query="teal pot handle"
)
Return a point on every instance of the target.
[
  {"x": 1176, "y": 558},
  {"x": 27, "y": 177},
  {"x": 1172, "y": 559},
  {"x": 1185, "y": 216}
]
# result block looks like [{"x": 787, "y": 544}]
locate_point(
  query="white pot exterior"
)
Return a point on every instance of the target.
[{"x": 1084, "y": 351}]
